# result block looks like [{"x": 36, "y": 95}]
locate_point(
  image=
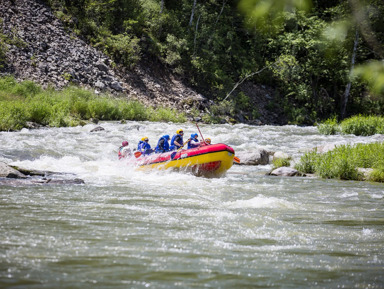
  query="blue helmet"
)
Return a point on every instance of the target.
[
  {"x": 166, "y": 137},
  {"x": 194, "y": 135}
]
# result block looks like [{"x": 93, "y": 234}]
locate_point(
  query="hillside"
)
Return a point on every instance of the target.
[{"x": 48, "y": 53}]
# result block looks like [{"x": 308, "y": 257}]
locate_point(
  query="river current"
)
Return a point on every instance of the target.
[{"x": 129, "y": 229}]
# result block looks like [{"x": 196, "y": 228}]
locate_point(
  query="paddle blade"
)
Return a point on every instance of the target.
[
  {"x": 236, "y": 160},
  {"x": 137, "y": 154}
]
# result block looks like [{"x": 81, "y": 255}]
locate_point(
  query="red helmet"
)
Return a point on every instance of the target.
[{"x": 124, "y": 143}]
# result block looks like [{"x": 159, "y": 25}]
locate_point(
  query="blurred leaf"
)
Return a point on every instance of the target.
[
  {"x": 373, "y": 73},
  {"x": 266, "y": 14},
  {"x": 336, "y": 31}
]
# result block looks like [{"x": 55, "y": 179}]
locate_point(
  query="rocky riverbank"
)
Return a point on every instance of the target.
[{"x": 45, "y": 51}]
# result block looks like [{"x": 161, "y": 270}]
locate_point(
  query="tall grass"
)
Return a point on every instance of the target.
[
  {"x": 357, "y": 125},
  {"x": 343, "y": 162},
  {"x": 26, "y": 101}
]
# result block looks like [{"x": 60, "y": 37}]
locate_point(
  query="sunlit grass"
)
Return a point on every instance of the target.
[
  {"x": 27, "y": 101},
  {"x": 357, "y": 125},
  {"x": 343, "y": 162}
]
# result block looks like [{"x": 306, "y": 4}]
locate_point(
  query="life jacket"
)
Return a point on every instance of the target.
[
  {"x": 162, "y": 145},
  {"x": 193, "y": 143},
  {"x": 178, "y": 138},
  {"x": 144, "y": 147},
  {"x": 121, "y": 155}
]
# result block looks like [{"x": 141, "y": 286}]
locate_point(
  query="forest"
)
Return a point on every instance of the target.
[{"x": 323, "y": 58}]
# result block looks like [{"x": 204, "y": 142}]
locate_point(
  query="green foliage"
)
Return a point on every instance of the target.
[
  {"x": 123, "y": 48},
  {"x": 167, "y": 114},
  {"x": 343, "y": 161},
  {"x": 329, "y": 127},
  {"x": 357, "y": 125},
  {"x": 307, "y": 51},
  {"x": 242, "y": 101},
  {"x": 26, "y": 101},
  {"x": 219, "y": 111},
  {"x": 364, "y": 126},
  {"x": 307, "y": 162},
  {"x": 281, "y": 162}
]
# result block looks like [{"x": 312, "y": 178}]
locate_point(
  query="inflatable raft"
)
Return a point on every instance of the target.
[{"x": 207, "y": 160}]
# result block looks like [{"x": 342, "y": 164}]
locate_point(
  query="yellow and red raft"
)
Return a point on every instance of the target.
[{"x": 207, "y": 160}]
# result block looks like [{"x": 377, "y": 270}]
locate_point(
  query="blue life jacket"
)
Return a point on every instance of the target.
[
  {"x": 179, "y": 139},
  {"x": 144, "y": 147},
  {"x": 162, "y": 144},
  {"x": 193, "y": 143}
]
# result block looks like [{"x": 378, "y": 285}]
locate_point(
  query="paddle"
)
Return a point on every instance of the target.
[
  {"x": 174, "y": 153},
  {"x": 236, "y": 160},
  {"x": 200, "y": 133},
  {"x": 137, "y": 154}
]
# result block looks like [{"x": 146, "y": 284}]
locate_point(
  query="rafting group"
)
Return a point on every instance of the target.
[{"x": 163, "y": 145}]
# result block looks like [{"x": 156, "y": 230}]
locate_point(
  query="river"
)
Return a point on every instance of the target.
[{"x": 130, "y": 229}]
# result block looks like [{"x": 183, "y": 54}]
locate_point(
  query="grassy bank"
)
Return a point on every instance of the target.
[
  {"x": 357, "y": 125},
  {"x": 343, "y": 162},
  {"x": 26, "y": 101}
]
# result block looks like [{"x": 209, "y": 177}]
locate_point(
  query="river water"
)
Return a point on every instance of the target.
[{"x": 129, "y": 229}]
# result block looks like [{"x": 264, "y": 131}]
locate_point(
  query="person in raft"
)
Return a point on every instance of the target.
[
  {"x": 193, "y": 142},
  {"x": 144, "y": 147},
  {"x": 177, "y": 140},
  {"x": 124, "y": 150},
  {"x": 207, "y": 141},
  {"x": 162, "y": 144}
]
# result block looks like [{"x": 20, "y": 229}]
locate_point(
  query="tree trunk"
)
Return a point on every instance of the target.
[
  {"x": 348, "y": 88},
  {"x": 161, "y": 6},
  {"x": 194, "y": 42},
  {"x": 192, "y": 13}
]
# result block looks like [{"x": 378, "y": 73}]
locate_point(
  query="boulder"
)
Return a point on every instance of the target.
[
  {"x": 8, "y": 172},
  {"x": 254, "y": 158},
  {"x": 99, "y": 128},
  {"x": 285, "y": 172},
  {"x": 280, "y": 155}
]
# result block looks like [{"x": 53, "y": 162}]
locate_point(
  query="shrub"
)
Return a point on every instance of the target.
[
  {"x": 307, "y": 163},
  {"x": 362, "y": 126},
  {"x": 281, "y": 162},
  {"x": 343, "y": 161},
  {"x": 329, "y": 127}
]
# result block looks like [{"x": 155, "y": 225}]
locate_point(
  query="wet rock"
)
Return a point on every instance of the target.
[
  {"x": 280, "y": 155},
  {"x": 254, "y": 158},
  {"x": 99, "y": 128},
  {"x": 9, "y": 172},
  {"x": 285, "y": 172}
]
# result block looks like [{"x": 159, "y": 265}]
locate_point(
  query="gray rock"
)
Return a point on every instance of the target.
[
  {"x": 8, "y": 172},
  {"x": 285, "y": 172},
  {"x": 99, "y": 84},
  {"x": 254, "y": 158},
  {"x": 99, "y": 128},
  {"x": 116, "y": 86},
  {"x": 102, "y": 67},
  {"x": 280, "y": 155}
]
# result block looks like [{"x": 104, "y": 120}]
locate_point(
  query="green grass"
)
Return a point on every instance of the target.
[
  {"x": 27, "y": 101},
  {"x": 357, "y": 125},
  {"x": 343, "y": 161},
  {"x": 281, "y": 162}
]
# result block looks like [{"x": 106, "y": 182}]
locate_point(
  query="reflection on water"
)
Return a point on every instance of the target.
[{"x": 130, "y": 229}]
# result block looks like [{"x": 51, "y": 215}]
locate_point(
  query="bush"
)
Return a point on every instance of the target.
[
  {"x": 329, "y": 127},
  {"x": 281, "y": 162},
  {"x": 343, "y": 161},
  {"x": 364, "y": 126},
  {"x": 357, "y": 125}
]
